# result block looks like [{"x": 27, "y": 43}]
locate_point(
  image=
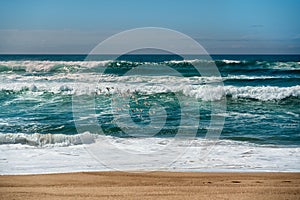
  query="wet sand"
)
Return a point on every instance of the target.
[{"x": 152, "y": 185}]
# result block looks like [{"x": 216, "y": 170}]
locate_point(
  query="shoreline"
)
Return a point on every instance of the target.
[{"x": 152, "y": 185}]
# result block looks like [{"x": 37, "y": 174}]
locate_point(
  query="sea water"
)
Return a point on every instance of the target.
[{"x": 38, "y": 132}]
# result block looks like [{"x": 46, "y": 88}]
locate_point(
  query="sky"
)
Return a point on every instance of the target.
[{"x": 220, "y": 26}]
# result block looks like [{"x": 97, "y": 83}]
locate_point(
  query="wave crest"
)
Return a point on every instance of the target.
[
  {"x": 74, "y": 66},
  {"x": 202, "y": 92},
  {"x": 38, "y": 139}
]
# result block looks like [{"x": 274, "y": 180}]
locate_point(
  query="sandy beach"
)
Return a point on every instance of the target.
[{"x": 153, "y": 185}]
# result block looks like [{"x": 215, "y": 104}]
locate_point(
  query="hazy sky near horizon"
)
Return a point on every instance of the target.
[{"x": 221, "y": 27}]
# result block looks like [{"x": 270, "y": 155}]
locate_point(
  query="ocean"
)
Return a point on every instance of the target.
[{"x": 39, "y": 126}]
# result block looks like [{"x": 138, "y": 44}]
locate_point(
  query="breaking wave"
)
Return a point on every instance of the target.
[
  {"x": 38, "y": 139},
  {"x": 202, "y": 92},
  {"x": 74, "y": 66}
]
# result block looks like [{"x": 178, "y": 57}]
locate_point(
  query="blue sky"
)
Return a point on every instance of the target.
[{"x": 222, "y": 27}]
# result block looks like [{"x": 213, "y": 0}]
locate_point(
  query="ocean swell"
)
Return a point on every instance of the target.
[
  {"x": 74, "y": 66},
  {"x": 201, "y": 92}
]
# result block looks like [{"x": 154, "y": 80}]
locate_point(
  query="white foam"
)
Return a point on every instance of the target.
[
  {"x": 225, "y": 156},
  {"x": 231, "y": 61},
  {"x": 245, "y": 77},
  {"x": 193, "y": 61}
]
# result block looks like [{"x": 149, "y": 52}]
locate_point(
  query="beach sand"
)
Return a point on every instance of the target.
[{"x": 152, "y": 185}]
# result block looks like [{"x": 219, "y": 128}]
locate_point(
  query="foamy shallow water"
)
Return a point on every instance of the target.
[{"x": 224, "y": 156}]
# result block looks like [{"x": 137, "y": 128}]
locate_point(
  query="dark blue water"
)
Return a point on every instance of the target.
[{"x": 262, "y": 94}]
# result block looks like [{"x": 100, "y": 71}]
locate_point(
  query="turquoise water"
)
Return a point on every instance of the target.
[{"x": 262, "y": 95}]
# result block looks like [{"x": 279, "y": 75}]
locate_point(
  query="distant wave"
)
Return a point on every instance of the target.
[
  {"x": 63, "y": 82},
  {"x": 203, "y": 92},
  {"x": 264, "y": 93},
  {"x": 48, "y": 66},
  {"x": 252, "y": 64},
  {"x": 74, "y": 66}
]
